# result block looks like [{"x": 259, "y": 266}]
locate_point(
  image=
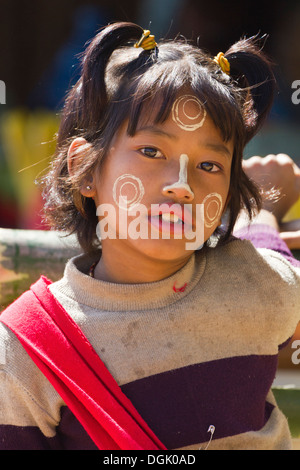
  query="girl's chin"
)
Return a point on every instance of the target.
[{"x": 163, "y": 249}]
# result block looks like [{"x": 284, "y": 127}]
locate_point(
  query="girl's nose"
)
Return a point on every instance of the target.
[{"x": 180, "y": 189}]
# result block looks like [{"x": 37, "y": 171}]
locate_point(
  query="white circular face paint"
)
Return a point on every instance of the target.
[
  {"x": 213, "y": 205},
  {"x": 128, "y": 191},
  {"x": 192, "y": 120}
]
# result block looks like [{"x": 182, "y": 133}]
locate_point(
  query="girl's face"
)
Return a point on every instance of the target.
[{"x": 183, "y": 161}]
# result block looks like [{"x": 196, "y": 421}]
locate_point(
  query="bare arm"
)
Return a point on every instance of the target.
[{"x": 279, "y": 173}]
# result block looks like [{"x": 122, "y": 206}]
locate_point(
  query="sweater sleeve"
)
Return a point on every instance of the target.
[
  {"x": 25, "y": 420},
  {"x": 281, "y": 271},
  {"x": 264, "y": 236}
]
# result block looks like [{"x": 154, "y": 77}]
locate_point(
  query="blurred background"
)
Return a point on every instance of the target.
[{"x": 39, "y": 46}]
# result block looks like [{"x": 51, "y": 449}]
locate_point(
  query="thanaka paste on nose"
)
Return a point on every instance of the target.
[{"x": 182, "y": 181}]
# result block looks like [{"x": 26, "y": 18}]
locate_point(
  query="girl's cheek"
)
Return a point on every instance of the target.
[
  {"x": 212, "y": 209},
  {"x": 128, "y": 191}
]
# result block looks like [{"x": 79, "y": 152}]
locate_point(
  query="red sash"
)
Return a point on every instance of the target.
[{"x": 61, "y": 351}]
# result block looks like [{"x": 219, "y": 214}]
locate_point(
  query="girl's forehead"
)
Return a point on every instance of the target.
[
  {"x": 185, "y": 113},
  {"x": 185, "y": 109},
  {"x": 188, "y": 112}
]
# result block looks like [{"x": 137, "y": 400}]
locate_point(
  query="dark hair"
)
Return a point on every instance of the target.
[{"x": 117, "y": 81}]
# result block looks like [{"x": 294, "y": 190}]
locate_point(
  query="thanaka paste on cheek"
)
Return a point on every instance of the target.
[
  {"x": 128, "y": 191},
  {"x": 192, "y": 120},
  {"x": 182, "y": 179},
  {"x": 213, "y": 205}
]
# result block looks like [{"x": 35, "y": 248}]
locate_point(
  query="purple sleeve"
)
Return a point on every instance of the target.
[{"x": 264, "y": 236}]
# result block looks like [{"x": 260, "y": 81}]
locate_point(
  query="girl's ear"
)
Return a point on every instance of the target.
[{"x": 76, "y": 153}]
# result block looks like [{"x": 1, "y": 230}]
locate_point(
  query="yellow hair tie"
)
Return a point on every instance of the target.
[
  {"x": 222, "y": 62},
  {"x": 147, "y": 41}
]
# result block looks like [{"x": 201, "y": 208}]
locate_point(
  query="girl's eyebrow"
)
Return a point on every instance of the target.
[
  {"x": 157, "y": 131},
  {"x": 218, "y": 147}
]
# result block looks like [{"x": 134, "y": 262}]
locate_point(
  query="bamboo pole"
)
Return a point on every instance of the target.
[{"x": 26, "y": 254}]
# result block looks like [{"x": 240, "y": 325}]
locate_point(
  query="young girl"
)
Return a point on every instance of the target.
[{"x": 147, "y": 342}]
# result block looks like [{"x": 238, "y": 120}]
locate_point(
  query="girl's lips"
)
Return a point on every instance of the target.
[
  {"x": 183, "y": 212},
  {"x": 182, "y": 215},
  {"x": 166, "y": 227}
]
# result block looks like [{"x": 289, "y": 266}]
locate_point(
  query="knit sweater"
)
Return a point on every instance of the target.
[{"x": 194, "y": 351}]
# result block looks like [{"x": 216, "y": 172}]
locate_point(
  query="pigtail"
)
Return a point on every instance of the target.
[
  {"x": 252, "y": 70},
  {"x": 96, "y": 56},
  {"x": 85, "y": 114},
  {"x": 90, "y": 91}
]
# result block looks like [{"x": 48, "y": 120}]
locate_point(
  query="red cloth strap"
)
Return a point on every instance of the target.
[{"x": 62, "y": 352}]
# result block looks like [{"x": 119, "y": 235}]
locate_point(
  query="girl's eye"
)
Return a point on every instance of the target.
[
  {"x": 209, "y": 167},
  {"x": 151, "y": 152}
]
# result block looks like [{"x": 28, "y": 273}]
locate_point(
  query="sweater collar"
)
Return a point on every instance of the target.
[{"x": 82, "y": 288}]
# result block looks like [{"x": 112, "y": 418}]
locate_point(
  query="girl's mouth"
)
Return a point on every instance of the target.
[
  {"x": 170, "y": 219},
  {"x": 167, "y": 224}
]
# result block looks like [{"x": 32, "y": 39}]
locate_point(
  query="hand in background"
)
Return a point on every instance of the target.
[{"x": 278, "y": 174}]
